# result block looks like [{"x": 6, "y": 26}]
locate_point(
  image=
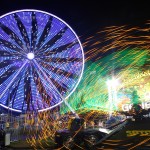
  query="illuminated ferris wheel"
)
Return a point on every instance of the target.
[{"x": 41, "y": 60}]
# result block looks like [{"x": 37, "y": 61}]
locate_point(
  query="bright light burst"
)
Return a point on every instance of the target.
[{"x": 30, "y": 56}]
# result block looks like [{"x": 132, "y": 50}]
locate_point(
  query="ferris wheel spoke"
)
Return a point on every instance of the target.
[
  {"x": 4, "y": 53},
  {"x": 5, "y": 63},
  {"x": 59, "y": 71},
  {"x": 12, "y": 93},
  {"x": 45, "y": 32},
  {"x": 7, "y": 74},
  {"x": 44, "y": 91},
  {"x": 62, "y": 88},
  {"x": 27, "y": 88},
  {"x": 55, "y": 88},
  {"x": 34, "y": 31},
  {"x": 60, "y": 48},
  {"x": 46, "y": 98},
  {"x": 52, "y": 41},
  {"x": 23, "y": 31},
  {"x": 48, "y": 79},
  {"x": 63, "y": 60},
  {"x": 10, "y": 45},
  {"x": 15, "y": 76},
  {"x": 12, "y": 35}
]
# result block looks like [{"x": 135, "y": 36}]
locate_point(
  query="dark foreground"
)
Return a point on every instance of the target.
[{"x": 133, "y": 135}]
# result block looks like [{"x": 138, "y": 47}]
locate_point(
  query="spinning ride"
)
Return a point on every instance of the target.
[{"x": 41, "y": 60}]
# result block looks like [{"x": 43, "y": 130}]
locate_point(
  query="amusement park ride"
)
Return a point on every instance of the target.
[
  {"x": 41, "y": 65},
  {"x": 41, "y": 61},
  {"x": 131, "y": 133}
]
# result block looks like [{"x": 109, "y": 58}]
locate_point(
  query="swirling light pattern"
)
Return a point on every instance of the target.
[
  {"x": 121, "y": 52},
  {"x": 118, "y": 51},
  {"x": 41, "y": 60}
]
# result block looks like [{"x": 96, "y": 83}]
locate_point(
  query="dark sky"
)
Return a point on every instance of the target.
[{"x": 86, "y": 17}]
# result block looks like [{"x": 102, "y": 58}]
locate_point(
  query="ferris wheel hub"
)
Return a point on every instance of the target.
[{"x": 30, "y": 55}]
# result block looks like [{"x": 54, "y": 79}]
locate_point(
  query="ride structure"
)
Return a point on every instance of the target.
[{"x": 41, "y": 61}]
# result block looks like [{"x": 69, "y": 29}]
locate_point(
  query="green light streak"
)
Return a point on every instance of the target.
[{"x": 92, "y": 93}]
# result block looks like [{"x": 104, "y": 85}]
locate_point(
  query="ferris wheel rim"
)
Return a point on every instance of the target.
[{"x": 50, "y": 14}]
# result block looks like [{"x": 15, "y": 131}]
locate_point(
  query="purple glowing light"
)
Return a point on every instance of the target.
[{"x": 57, "y": 60}]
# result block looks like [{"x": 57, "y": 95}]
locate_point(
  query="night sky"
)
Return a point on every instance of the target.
[{"x": 86, "y": 17}]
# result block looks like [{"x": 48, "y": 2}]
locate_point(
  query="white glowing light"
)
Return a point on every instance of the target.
[
  {"x": 30, "y": 56},
  {"x": 112, "y": 93},
  {"x": 113, "y": 83}
]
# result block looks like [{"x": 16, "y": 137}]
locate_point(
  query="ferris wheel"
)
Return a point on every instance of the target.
[{"x": 41, "y": 60}]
